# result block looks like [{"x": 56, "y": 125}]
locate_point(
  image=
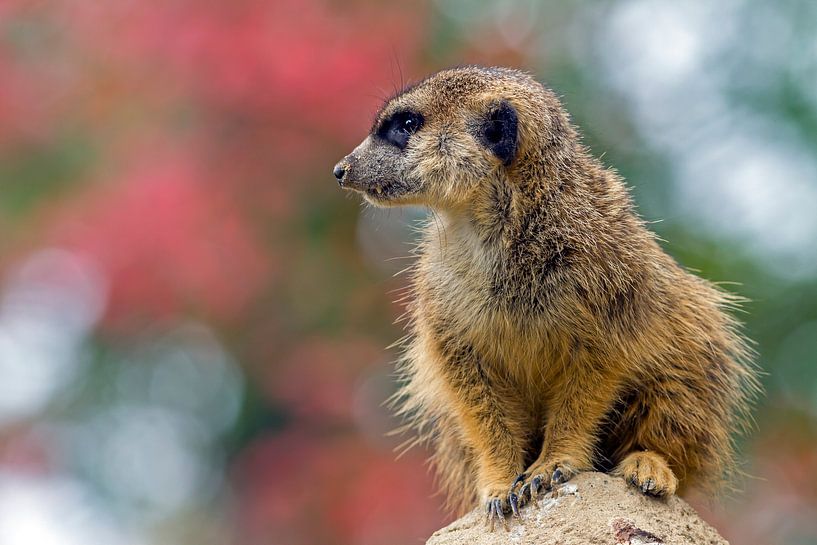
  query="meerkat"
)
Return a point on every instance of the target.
[{"x": 548, "y": 332}]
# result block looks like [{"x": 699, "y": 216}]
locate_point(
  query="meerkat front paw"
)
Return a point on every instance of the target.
[
  {"x": 552, "y": 472},
  {"x": 649, "y": 472},
  {"x": 499, "y": 501},
  {"x": 541, "y": 477}
]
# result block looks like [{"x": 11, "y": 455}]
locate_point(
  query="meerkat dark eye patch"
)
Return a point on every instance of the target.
[
  {"x": 398, "y": 128},
  {"x": 499, "y": 132}
]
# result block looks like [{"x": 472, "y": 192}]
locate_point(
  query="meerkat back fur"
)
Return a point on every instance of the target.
[{"x": 548, "y": 331}]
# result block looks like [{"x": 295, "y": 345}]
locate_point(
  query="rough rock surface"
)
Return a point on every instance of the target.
[{"x": 593, "y": 508}]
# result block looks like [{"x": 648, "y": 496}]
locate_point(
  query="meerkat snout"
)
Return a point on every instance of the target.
[
  {"x": 379, "y": 168},
  {"x": 339, "y": 172}
]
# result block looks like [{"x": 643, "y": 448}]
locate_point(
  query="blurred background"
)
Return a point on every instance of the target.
[{"x": 193, "y": 318}]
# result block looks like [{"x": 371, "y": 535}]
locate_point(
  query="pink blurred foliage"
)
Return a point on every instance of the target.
[
  {"x": 345, "y": 488},
  {"x": 777, "y": 502},
  {"x": 28, "y": 95},
  {"x": 24, "y": 451},
  {"x": 20, "y": 116},
  {"x": 267, "y": 75},
  {"x": 287, "y": 61},
  {"x": 264, "y": 79},
  {"x": 317, "y": 379},
  {"x": 168, "y": 240},
  {"x": 297, "y": 491}
]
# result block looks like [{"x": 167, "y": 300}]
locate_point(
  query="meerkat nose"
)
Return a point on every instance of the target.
[{"x": 340, "y": 171}]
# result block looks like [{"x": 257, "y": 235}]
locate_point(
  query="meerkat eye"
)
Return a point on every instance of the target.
[{"x": 397, "y": 129}]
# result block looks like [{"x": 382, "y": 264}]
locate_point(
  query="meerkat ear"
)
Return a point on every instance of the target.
[{"x": 499, "y": 133}]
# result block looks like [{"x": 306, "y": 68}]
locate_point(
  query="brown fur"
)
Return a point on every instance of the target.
[{"x": 547, "y": 327}]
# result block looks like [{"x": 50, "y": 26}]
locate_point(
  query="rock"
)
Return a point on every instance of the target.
[{"x": 593, "y": 508}]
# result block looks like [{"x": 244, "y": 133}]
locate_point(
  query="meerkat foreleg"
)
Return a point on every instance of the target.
[
  {"x": 575, "y": 414},
  {"x": 491, "y": 426}
]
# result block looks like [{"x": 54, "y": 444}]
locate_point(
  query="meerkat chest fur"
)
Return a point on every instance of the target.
[{"x": 468, "y": 289}]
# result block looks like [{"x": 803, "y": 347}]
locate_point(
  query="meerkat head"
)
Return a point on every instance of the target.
[{"x": 443, "y": 140}]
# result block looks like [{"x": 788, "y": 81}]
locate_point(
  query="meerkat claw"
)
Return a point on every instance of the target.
[
  {"x": 558, "y": 477},
  {"x": 526, "y": 496},
  {"x": 519, "y": 479},
  {"x": 489, "y": 515},
  {"x": 513, "y": 499},
  {"x": 536, "y": 486},
  {"x": 496, "y": 513}
]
